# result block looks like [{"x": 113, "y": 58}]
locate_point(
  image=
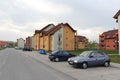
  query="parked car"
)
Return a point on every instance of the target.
[
  {"x": 60, "y": 56},
  {"x": 42, "y": 51},
  {"x": 27, "y": 49},
  {"x": 90, "y": 58}
]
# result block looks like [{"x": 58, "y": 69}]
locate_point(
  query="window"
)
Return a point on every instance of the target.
[
  {"x": 107, "y": 46},
  {"x": 66, "y": 45},
  {"x": 113, "y": 45}
]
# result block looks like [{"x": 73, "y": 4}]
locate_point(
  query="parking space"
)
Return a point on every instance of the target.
[{"x": 91, "y": 73}]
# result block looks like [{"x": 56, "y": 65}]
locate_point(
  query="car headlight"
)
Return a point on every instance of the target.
[
  {"x": 75, "y": 61},
  {"x": 69, "y": 59}
]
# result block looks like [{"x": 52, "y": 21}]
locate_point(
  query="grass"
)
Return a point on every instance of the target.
[
  {"x": 77, "y": 52},
  {"x": 111, "y": 51},
  {"x": 115, "y": 58}
]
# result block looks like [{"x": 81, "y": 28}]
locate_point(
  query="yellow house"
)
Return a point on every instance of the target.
[
  {"x": 36, "y": 40},
  {"x": 39, "y": 37},
  {"x": 60, "y": 37},
  {"x": 82, "y": 42}
]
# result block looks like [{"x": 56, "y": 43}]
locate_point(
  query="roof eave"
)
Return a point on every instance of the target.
[{"x": 116, "y": 15}]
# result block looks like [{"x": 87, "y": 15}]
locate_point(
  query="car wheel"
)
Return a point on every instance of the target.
[
  {"x": 56, "y": 59},
  {"x": 107, "y": 64},
  {"x": 51, "y": 59},
  {"x": 84, "y": 65}
]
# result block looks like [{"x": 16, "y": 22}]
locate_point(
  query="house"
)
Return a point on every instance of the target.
[
  {"x": 82, "y": 42},
  {"x": 117, "y": 17},
  {"x": 109, "y": 40},
  {"x": 3, "y": 44},
  {"x": 59, "y": 37},
  {"x": 29, "y": 42},
  {"x": 38, "y": 37},
  {"x": 20, "y": 43}
]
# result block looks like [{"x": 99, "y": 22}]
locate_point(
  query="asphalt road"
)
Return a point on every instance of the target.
[{"x": 16, "y": 66}]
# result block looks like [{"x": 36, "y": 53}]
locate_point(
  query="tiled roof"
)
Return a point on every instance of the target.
[
  {"x": 81, "y": 38},
  {"x": 110, "y": 33},
  {"x": 56, "y": 28},
  {"x": 39, "y": 31},
  {"x": 116, "y": 15},
  {"x": 53, "y": 29}
]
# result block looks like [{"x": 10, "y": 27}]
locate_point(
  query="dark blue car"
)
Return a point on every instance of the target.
[
  {"x": 60, "y": 56},
  {"x": 90, "y": 58}
]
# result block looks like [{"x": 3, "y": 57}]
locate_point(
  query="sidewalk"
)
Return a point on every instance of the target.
[{"x": 95, "y": 73}]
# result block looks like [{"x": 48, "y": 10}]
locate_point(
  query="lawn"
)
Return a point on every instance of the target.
[
  {"x": 115, "y": 58},
  {"x": 112, "y": 53}
]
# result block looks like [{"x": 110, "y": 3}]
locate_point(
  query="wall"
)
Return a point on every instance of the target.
[
  {"x": 119, "y": 31},
  {"x": 55, "y": 40},
  {"x": 68, "y": 39},
  {"x": 20, "y": 43}
]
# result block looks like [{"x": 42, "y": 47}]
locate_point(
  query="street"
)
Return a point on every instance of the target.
[{"x": 16, "y": 66}]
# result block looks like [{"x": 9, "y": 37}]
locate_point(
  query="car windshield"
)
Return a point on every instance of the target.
[
  {"x": 54, "y": 52},
  {"x": 85, "y": 53}
]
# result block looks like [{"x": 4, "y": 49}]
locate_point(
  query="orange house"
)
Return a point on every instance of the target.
[
  {"x": 82, "y": 42},
  {"x": 39, "y": 37},
  {"x": 60, "y": 37},
  {"x": 109, "y": 40}
]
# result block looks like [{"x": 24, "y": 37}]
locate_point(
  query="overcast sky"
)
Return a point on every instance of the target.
[{"x": 20, "y": 18}]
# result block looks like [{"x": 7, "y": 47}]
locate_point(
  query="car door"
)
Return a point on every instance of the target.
[
  {"x": 92, "y": 60},
  {"x": 59, "y": 55},
  {"x": 65, "y": 55},
  {"x": 100, "y": 59}
]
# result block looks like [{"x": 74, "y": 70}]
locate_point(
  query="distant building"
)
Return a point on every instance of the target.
[
  {"x": 29, "y": 42},
  {"x": 32, "y": 41},
  {"x": 117, "y": 17},
  {"x": 82, "y": 42},
  {"x": 109, "y": 40},
  {"x": 51, "y": 37},
  {"x": 20, "y": 43},
  {"x": 3, "y": 44}
]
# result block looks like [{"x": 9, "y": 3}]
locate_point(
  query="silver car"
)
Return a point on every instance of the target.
[{"x": 90, "y": 58}]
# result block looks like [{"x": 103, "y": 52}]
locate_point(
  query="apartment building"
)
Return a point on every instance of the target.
[
  {"x": 109, "y": 40},
  {"x": 59, "y": 37}
]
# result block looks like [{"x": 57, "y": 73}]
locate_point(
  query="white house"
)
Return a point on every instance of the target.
[
  {"x": 117, "y": 17},
  {"x": 20, "y": 43}
]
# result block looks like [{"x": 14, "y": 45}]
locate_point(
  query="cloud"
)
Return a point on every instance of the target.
[
  {"x": 92, "y": 33},
  {"x": 9, "y": 28},
  {"x": 46, "y": 7}
]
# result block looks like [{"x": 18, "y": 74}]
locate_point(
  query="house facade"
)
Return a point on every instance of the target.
[
  {"x": 82, "y": 42},
  {"x": 109, "y": 40},
  {"x": 59, "y": 37},
  {"x": 20, "y": 43},
  {"x": 117, "y": 17},
  {"x": 39, "y": 37},
  {"x": 29, "y": 42}
]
